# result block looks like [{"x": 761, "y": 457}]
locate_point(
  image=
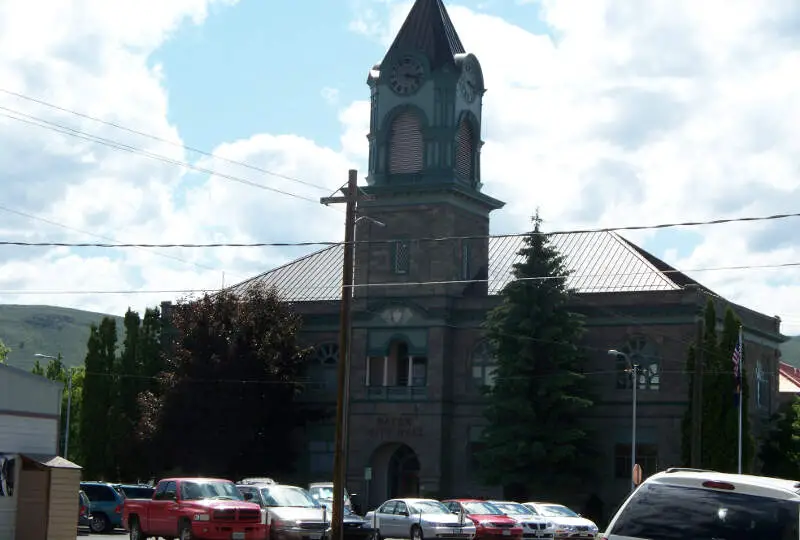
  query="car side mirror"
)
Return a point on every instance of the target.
[
  {"x": 404, "y": 513},
  {"x": 454, "y": 512}
]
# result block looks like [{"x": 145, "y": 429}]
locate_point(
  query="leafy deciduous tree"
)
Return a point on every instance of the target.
[
  {"x": 780, "y": 451},
  {"x": 228, "y": 386}
]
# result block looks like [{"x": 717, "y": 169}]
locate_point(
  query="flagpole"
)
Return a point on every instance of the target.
[{"x": 741, "y": 397}]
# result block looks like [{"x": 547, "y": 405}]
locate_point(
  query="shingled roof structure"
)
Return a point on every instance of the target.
[{"x": 599, "y": 262}]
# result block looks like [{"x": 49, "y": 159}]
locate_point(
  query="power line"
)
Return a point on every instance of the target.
[
  {"x": 421, "y": 239},
  {"x": 419, "y": 283},
  {"x": 161, "y": 139},
  {"x": 110, "y": 239},
  {"x": 66, "y": 130}
]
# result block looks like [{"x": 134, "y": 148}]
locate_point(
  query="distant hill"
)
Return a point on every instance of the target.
[
  {"x": 790, "y": 351},
  {"x": 28, "y": 330}
]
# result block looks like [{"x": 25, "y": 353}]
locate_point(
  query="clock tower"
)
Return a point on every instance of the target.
[{"x": 424, "y": 171}]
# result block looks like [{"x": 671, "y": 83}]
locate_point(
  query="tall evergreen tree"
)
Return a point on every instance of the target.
[
  {"x": 780, "y": 451},
  {"x": 96, "y": 422},
  {"x": 535, "y": 438},
  {"x": 720, "y": 429},
  {"x": 128, "y": 371}
]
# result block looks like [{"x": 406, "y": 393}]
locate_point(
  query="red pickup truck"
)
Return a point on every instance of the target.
[{"x": 202, "y": 508}]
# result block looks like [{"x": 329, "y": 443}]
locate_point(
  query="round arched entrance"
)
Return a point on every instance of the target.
[{"x": 395, "y": 472}]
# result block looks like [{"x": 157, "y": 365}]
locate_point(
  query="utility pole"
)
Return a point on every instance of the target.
[
  {"x": 697, "y": 399},
  {"x": 343, "y": 373}
]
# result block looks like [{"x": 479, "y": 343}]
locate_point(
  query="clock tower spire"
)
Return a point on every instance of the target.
[{"x": 424, "y": 146}]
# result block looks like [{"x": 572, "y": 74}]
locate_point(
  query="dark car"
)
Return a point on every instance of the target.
[
  {"x": 355, "y": 527},
  {"x": 84, "y": 517}
]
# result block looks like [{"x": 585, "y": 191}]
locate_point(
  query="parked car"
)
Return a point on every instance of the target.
[
  {"x": 135, "y": 491},
  {"x": 202, "y": 508},
  {"x": 105, "y": 506},
  {"x": 490, "y": 521},
  {"x": 533, "y": 526},
  {"x": 84, "y": 516},
  {"x": 689, "y": 503},
  {"x": 290, "y": 511},
  {"x": 355, "y": 526},
  {"x": 568, "y": 523},
  {"x": 418, "y": 519},
  {"x": 323, "y": 491}
]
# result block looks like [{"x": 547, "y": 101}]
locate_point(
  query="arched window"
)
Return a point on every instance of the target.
[
  {"x": 644, "y": 353},
  {"x": 465, "y": 151},
  {"x": 406, "y": 145},
  {"x": 322, "y": 370},
  {"x": 484, "y": 364}
]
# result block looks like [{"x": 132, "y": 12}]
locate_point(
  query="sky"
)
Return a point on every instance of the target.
[{"x": 197, "y": 121}]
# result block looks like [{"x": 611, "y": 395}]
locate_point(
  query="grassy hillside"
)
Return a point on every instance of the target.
[
  {"x": 790, "y": 351},
  {"x": 28, "y": 330}
]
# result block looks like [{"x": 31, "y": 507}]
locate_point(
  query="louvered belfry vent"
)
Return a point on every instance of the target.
[
  {"x": 406, "y": 145},
  {"x": 464, "y": 146}
]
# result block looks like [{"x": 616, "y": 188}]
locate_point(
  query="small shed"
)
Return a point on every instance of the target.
[
  {"x": 35, "y": 484},
  {"x": 48, "y": 498}
]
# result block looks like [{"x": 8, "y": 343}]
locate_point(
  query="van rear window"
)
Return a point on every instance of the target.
[{"x": 661, "y": 512}]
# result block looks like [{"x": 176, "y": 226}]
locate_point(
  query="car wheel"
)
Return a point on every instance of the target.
[
  {"x": 136, "y": 531},
  {"x": 416, "y": 533},
  {"x": 100, "y": 523},
  {"x": 185, "y": 531}
]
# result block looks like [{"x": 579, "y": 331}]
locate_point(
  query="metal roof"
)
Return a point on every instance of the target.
[
  {"x": 598, "y": 261},
  {"x": 429, "y": 30}
]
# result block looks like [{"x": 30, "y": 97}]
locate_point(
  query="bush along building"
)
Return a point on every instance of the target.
[{"x": 419, "y": 354}]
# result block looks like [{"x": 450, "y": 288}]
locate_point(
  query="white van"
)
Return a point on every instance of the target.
[{"x": 682, "y": 504}]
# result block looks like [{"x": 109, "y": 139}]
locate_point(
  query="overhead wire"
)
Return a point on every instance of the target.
[
  {"x": 511, "y": 279},
  {"x": 162, "y": 139},
  {"x": 108, "y": 238},
  {"x": 420, "y": 239},
  {"x": 66, "y": 130}
]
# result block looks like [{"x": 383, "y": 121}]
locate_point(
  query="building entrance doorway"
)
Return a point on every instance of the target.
[
  {"x": 403, "y": 473},
  {"x": 395, "y": 473}
]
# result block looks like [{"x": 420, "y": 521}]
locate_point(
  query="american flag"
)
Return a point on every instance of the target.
[{"x": 737, "y": 364}]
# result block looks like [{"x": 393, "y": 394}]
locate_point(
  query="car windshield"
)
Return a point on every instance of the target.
[
  {"x": 427, "y": 507},
  {"x": 482, "y": 508},
  {"x": 288, "y": 496},
  {"x": 192, "y": 491},
  {"x": 324, "y": 492},
  {"x": 662, "y": 512},
  {"x": 514, "y": 509},
  {"x": 555, "y": 510}
]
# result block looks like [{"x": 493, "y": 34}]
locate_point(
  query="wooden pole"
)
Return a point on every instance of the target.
[{"x": 339, "y": 457}]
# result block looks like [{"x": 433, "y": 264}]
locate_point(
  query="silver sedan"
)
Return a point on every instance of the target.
[{"x": 419, "y": 519}]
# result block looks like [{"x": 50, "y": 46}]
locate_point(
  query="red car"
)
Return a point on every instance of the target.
[{"x": 490, "y": 521}]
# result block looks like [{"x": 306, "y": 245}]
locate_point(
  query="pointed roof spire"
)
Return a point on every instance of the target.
[{"x": 429, "y": 30}]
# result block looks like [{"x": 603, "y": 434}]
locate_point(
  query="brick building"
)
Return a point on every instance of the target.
[{"x": 418, "y": 354}]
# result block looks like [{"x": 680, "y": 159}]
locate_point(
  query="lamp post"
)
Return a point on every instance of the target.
[
  {"x": 634, "y": 370},
  {"x": 69, "y": 402}
]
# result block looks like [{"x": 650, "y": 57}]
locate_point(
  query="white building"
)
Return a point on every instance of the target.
[{"x": 38, "y": 491}]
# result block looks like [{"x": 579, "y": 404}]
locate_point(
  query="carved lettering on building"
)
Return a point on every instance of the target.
[{"x": 395, "y": 427}]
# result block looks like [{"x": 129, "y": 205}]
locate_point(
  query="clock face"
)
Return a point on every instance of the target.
[
  {"x": 468, "y": 83},
  {"x": 406, "y": 76}
]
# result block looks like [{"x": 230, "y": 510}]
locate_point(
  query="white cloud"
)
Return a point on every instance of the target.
[{"x": 635, "y": 112}]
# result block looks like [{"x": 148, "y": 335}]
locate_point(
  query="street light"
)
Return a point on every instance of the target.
[
  {"x": 634, "y": 371},
  {"x": 69, "y": 401}
]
